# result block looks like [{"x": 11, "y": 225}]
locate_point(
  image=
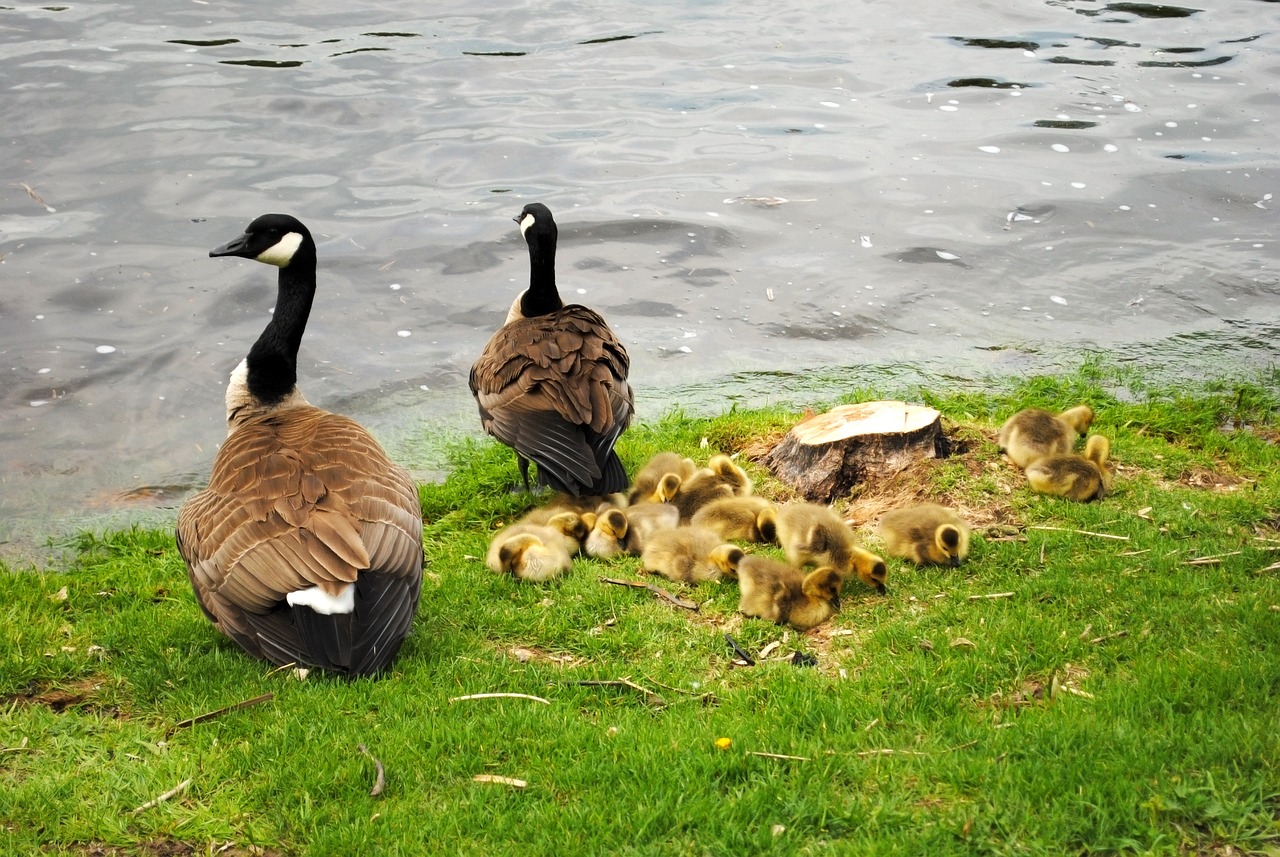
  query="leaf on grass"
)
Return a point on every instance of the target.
[{"x": 502, "y": 781}]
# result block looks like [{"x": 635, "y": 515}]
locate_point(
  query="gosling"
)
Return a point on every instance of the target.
[
  {"x": 815, "y": 535},
  {"x": 721, "y": 478},
  {"x": 1033, "y": 434},
  {"x": 691, "y": 555},
  {"x": 1077, "y": 477},
  {"x": 537, "y": 552},
  {"x": 780, "y": 593},
  {"x": 748, "y": 519},
  {"x": 927, "y": 534},
  {"x": 649, "y": 478}
]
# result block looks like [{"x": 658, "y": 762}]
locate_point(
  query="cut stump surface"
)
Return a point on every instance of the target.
[{"x": 826, "y": 455}]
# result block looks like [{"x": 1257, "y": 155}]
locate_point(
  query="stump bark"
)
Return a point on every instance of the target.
[{"x": 826, "y": 455}]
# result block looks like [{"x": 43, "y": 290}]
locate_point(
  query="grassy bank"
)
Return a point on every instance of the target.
[{"x": 1096, "y": 678}]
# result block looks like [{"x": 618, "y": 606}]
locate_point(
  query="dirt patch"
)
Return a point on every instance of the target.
[
  {"x": 535, "y": 654},
  {"x": 78, "y": 695},
  {"x": 1212, "y": 480},
  {"x": 1039, "y": 690}
]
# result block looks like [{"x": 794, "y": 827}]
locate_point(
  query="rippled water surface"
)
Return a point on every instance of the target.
[{"x": 763, "y": 198}]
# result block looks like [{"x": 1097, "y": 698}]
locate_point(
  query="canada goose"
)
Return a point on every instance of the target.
[
  {"x": 1077, "y": 477},
  {"x": 307, "y": 545},
  {"x": 927, "y": 533},
  {"x": 538, "y": 547},
  {"x": 690, "y": 555},
  {"x": 645, "y": 519},
  {"x": 650, "y": 478},
  {"x": 780, "y": 593},
  {"x": 552, "y": 381},
  {"x": 749, "y": 518},
  {"x": 815, "y": 535},
  {"x": 1032, "y": 434}
]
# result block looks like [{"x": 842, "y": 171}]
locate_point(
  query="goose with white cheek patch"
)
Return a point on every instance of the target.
[
  {"x": 306, "y": 547},
  {"x": 552, "y": 381}
]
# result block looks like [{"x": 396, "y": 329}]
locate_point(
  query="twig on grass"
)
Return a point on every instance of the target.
[
  {"x": 651, "y": 698},
  {"x": 171, "y": 793},
  {"x": 889, "y": 751},
  {"x": 739, "y": 651},
  {"x": 1216, "y": 559},
  {"x": 380, "y": 777},
  {"x": 991, "y": 595},
  {"x": 209, "y": 715},
  {"x": 662, "y": 594},
  {"x": 780, "y": 756},
  {"x": 1081, "y": 533},
  {"x": 502, "y": 781},
  {"x": 19, "y": 748},
  {"x": 472, "y": 696},
  {"x": 1096, "y": 640}
]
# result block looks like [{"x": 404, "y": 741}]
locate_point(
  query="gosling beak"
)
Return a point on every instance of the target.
[
  {"x": 881, "y": 589},
  {"x": 955, "y": 561}
]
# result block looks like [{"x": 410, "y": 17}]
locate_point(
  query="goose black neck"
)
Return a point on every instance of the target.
[
  {"x": 273, "y": 360},
  {"x": 542, "y": 297}
]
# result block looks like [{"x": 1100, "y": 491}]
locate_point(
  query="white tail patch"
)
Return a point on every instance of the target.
[
  {"x": 281, "y": 253},
  {"x": 526, "y": 223},
  {"x": 322, "y": 602}
]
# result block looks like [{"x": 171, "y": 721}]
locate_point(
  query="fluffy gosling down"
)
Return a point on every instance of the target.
[
  {"x": 815, "y": 535},
  {"x": 539, "y": 547},
  {"x": 1077, "y": 477},
  {"x": 1032, "y": 434},
  {"x": 781, "y": 593},
  {"x": 691, "y": 555},
  {"x": 927, "y": 534},
  {"x": 748, "y": 519}
]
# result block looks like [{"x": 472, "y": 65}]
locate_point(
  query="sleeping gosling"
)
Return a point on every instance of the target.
[
  {"x": 1032, "y": 434},
  {"x": 721, "y": 478},
  {"x": 815, "y": 535},
  {"x": 780, "y": 593},
  {"x": 926, "y": 534},
  {"x": 611, "y": 534},
  {"x": 538, "y": 547},
  {"x": 691, "y": 555},
  {"x": 646, "y": 519},
  {"x": 646, "y": 483},
  {"x": 749, "y": 519},
  {"x": 1077, "y": 477}
]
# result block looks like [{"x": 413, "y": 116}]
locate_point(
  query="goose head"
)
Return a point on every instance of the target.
[{"x": 274, "y": 239}]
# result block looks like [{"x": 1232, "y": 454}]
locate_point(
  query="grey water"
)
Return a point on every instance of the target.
[{"x": 769, "y": 201}]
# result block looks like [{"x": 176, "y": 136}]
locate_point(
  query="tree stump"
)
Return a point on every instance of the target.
[{"x": 826, "y": 455}]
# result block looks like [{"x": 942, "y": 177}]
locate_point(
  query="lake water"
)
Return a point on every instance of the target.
[{"x": 769, "y": 201}]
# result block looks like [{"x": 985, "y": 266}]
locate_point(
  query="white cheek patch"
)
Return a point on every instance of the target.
[
  {"x": 322, "y": 602},
  {"x": 281, "y": 252},
  {"x": 526, "y": 223}
]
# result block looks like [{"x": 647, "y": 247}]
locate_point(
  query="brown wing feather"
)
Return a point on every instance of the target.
[{"x": 297, "y": 498}]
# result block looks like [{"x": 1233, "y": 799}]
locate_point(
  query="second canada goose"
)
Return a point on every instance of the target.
[
  {"x": 306, "y": 547},
  {"x": 1077, "y": 477},
  {"x": 690, "y": 555},
  {"x": 1032, "y": 434},
  {"x": 780, "y": 593},
  {"x": 552, "y": 381},
  {"x": 926, "y": 534},
  {"x": 815, "y": 535},
  {"x": 750, "y": 518}
]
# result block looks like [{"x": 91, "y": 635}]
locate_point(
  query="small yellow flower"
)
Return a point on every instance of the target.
[{"x": 724, "y": 743}]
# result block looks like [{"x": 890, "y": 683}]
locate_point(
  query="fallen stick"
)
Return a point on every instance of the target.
[
  {"x": 889, "y": 751},
  {"x": 500, "y": 696},
  {"x": 1082, "y": 533},
  {"x": 739, "y": 651},
  {"x": 380, "y": 778},
  {"x": 173, "y": 792},
  {"x": 662, "y": 594},
  {"x": 651, "y": 697},
  {"x": 209, "y": 715},
  {"x": 19, "y": 748},
  {"x": 502, "y": 781},
  {"x": 781, "y": 756},
  {"x": 1275, "y": 566},
  {"x": 1216, "y": 559},
  {"x": 1096, "y": 640},
  {"x": 991, "y": 595}
]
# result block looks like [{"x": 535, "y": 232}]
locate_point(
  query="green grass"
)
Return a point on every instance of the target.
[{"x": 1123, "y": 698}]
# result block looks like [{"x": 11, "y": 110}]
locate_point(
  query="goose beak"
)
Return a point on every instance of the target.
[
  {"x": 518, "y": 217},
  {"x": 235, "y": 247},
  {"x": 881, "y": 589}
]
